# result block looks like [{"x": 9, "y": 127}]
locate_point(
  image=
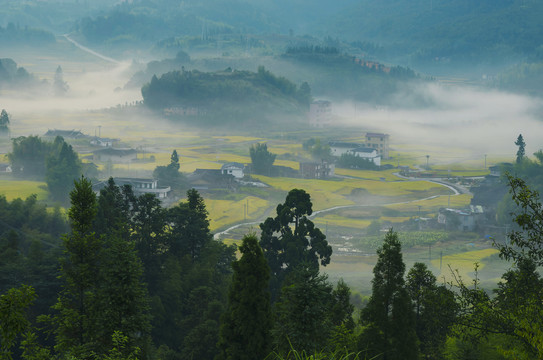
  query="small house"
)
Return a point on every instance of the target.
[
  {"x": 367, "y": 153},
  {"x": 233, "y": 168},
  {"x": 139, "y": 186},
  {"x": 338, "y": 148},
  {"x": 316, "y": 170},
  {"x": 115, "y": 155}
]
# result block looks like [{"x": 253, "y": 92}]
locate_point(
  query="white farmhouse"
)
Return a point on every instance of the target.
[
  {"x": 367, "y": 153},
  {"x": 233, "y": 168}
]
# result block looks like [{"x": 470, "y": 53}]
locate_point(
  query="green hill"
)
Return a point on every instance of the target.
[{"x": 230, "y": 95}]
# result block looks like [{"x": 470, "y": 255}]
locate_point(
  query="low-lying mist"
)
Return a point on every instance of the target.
[
  {"x": 454, "y": 116},
  {"x": 85, "y": 91}
]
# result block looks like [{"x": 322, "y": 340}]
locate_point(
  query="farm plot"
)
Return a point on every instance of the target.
[
  {"x": 13, "y": 189},
  {"x": 227, "y": 212}
]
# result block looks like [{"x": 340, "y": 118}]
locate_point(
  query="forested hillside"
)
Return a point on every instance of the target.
[
  {"x": 456, "y": 33},
  {"x": 237, "y": 95}
]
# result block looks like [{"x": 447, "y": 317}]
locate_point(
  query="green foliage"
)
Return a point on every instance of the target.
[
  {"x": 56, "y": 162},
  {"x": 435, "y": 310},
  {"x": 79, "y": 269},
  {"x": 62, "y": 168},
  {"x": 189, "y": 224},
  {"x": 526, "y": 240},
  {"x": 388, "y": 317},
  {"x": 119, "y": 350},
  {"x": 237, "y": 96},
  {"x": 13, "y": 306},
  {"x": 285, "y": 247},
  {"x": 4, "y": 121},
  {"x": 301, "y": 312},
  {"x": 317, "y": 150},
  {"x": 351, "y": 161},
  {"x": 521, "y": 148},
  {"x": 169, "y": 175},
  {"x": 261, "y": 159},
  {"x": 246, "y": 323}
]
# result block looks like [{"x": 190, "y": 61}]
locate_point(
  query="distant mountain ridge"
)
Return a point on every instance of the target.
[{"x": 460, "y": 31}]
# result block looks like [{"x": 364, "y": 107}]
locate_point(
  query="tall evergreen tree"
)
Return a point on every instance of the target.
[
  {"x": 388, "y": 318},
  {"x": 121, "y": 301},
  {"x": 62, "y": 168},
  {"x": 190, "y": 226},
  {"x": 521, "y": 152},
  {"x": 4, "y": 121},
  {"x": 113, "y": 212},
  {"x": 435, "y": 310},
  {"x": 246, "y": 324},
  {"x": 79, "y": 269},
  {"x": 261, "y": 159},
  {"x": 291, "y": 239},
  {"x": 301, "y": 313}
]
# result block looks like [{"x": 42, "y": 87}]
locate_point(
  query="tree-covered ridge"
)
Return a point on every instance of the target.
[
  {"x": 127, "y": 258},
  {"x": 239, "y": 94},
  {"x": 489, "y": 31},
  {"x": 15, "y": 35}
]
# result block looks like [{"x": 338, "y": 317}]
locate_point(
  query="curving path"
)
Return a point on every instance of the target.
[
  {"x": 90, "y": 51},
  {"x": 454, "y": 188}
]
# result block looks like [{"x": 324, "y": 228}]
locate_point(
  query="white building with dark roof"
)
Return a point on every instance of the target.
[
  {"x": 370, "y": 154},
  {"x": 139, "y": 186},
  {"x": 233, "y": 168}
]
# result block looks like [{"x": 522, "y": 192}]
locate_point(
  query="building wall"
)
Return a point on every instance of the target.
[
  {"x": 380, "y": 142},
  {"x": 320, "y": 113}
]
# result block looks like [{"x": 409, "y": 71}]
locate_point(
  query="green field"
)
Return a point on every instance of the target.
[{"x": 13, "y": 189}]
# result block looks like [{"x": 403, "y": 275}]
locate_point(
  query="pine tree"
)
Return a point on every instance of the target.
[
  {"x": 521, "y": 148},
  {"x": 246, "y": 324},
  {"x": 291, "y": 239},
  {"x": 388, "y": 317},
  {"x": 435, "y": 310},
  {"x": 4, "y": 122},
  {"x": 301, "y": 313},
  {"x": 189, "y": 226},
  {"x": 121, "y": 301},
  {"x": 79, "y": 269}
]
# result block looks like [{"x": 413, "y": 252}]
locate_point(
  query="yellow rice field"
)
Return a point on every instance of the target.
[
  {"x": 13, "y": 189},
  {"x": 227, "y": 212},
  {"x": 463, "y": 262}
]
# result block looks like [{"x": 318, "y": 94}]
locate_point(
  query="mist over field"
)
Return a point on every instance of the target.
[
  {"x": 256, "y": 179},
  {"x": 455, "y": 116}
]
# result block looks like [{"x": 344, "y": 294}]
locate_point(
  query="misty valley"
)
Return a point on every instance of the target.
[{"x": 227, "y": 179}]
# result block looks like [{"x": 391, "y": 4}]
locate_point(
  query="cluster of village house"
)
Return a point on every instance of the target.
[{"x": 374, "y": 148}]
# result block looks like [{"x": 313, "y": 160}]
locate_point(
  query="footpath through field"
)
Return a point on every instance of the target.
[{"x": 457, "y": 189}]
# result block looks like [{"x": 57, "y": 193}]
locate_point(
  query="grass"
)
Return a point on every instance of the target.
[
  {"x": 463, "y": 262},
  {"x": 227, "y": 212},
  {"x": 387, "y": 175},
  {"x": 13, "y": 189}
]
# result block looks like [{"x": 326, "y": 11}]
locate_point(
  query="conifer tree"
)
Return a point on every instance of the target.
[
  {"x": 521, "y": 148},
  {"x": 301, "y": 313},
  {"x": 388, "y": 318},
  {"x": 246, "y": 324},
  {"x": 79, "y": 269},
  {"x": 291, "y": 239}
]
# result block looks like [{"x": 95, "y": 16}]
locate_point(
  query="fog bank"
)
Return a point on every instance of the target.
[{"x": 454, "y": 117}]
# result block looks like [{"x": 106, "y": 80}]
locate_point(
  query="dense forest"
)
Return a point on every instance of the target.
[
  {"x": 132, "y": 280},
  {"x": 236, "y": 95}
]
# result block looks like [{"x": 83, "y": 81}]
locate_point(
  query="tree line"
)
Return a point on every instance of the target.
[{"x": 132, "y": 279}]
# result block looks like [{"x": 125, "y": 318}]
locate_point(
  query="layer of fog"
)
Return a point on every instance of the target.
[
  {"x": 86, "y": 90},
  {"x": 449, "y": 116},
  {"x": 455, "y": 117}
]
